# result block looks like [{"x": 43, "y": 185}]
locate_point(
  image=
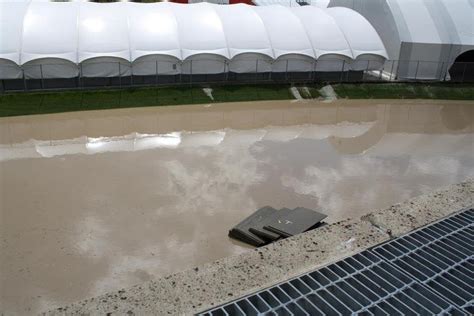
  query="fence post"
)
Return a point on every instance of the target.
[
  {"x": 226, "y": 70},
  {"x": 464, "y": 72},
  {"x": 120, "y": 77},
  {"x": 41, "y": 74},
  {"x": 416, "y": 72},
  {"x": 156, "y": 72},
  {"x": 446, "y": 71},
  {"x": 256, "y": 70},
  {"x": 191, "y": 77},
  {"x": 81, "y": 78},
  {"x": 342, "y": 70},
  {"x": 271, "y": 71},
  {"x": 398, "y": 67},
  {"x": 367, "y": 68},
  {"x": 391, "y": 72}
]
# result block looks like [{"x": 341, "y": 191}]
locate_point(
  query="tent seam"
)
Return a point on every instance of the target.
[
  {"x": 125, "y": 4},
  {"x": 266, "y": 33},
  {"x": 22, "y": 31},
  {"x": 223, "y": 32},
  {"x": 177, "y": 28},
  {"x": 345, "y": 37},
  {"x": 305, "y": 31},
  {"x": 78, "y": 19}
]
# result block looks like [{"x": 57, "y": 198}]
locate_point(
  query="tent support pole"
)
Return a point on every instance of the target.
[{"x": 286, "y": 72}]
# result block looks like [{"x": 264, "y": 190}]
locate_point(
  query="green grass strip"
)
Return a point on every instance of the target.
[{"x": 13, "y": 104}]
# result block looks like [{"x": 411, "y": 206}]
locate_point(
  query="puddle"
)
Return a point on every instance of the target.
[{"x": 96, "y": 201}]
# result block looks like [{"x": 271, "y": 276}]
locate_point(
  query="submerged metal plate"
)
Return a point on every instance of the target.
[{"x": 428, "y": 271}]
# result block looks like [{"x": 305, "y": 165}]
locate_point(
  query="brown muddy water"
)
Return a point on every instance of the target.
[{"x": 98, "y": 201}]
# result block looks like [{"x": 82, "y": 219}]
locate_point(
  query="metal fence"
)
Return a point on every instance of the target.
[{"x": 89, "y": 75}]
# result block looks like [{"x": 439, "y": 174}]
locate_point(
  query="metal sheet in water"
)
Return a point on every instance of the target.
[
  {"x": 295, "y": 222},
  {"x": 96, "y": 201}
]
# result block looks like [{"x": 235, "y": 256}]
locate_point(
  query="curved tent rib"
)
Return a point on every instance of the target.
[
  {"x": 245, "y": 31},
  {"x": 11, "y": 29},
  {"x": 361, "y": 36},
  {"x": 103, "y": 33},
  {"x": 153, "y": 30},
  {"x": 200, "y": 30},
  {"x": 42, "y": 38},
  {"x": 286, "y": 33},
  {"x": 323, "y": 32}
]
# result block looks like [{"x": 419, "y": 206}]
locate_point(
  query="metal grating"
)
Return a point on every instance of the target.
[{"x": 428, "y": 271}]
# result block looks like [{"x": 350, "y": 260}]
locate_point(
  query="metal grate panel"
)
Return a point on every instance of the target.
[{"x": 428, "y": 271}]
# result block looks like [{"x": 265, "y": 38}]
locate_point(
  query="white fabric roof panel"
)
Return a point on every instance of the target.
[
  {"x": 460, "y": 15},
  {"x": 286, "y": 32},
  {"x": 244, "y": 30},
  {"x": 42, "y": 38},
  {"x": 200, "y": 30},
  {"x": 414, "y": 22},
  {"x": 80, "y": 31},
  {"x": 361, "y": 36},
  {"x": 11, "y": 28},
  {"x": 324, "y": 33},
  {"x": 153, "y": 30},
  {"x": 103, "y": 32}
]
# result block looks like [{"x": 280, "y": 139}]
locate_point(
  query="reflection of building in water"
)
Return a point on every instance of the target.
[{"x": 351, "y": 129}]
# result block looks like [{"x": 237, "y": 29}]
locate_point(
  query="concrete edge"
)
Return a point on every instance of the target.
[{"x": 198, "y": 289}]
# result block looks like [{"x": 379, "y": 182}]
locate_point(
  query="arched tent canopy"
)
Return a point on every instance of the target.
[
  {"x": 11, "y": 28},
  {"x": 105, "y": 40},
  {"x": 329, "y": 43},
  {"x": 49, "y": 51},
  {"x": 153, "y": 30},
  {"x": 202, "y": 38},
  {"x": 249, "y": 46},
  {"x": 367, "y": 48},
  {"x": 292, "y": 48},
  {"x": 103, "y": 43},
  {"x": 154, "y": 39},
  {"x": 425, "y": 36}
]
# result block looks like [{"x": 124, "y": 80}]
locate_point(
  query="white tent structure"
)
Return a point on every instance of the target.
[
  {"x": 67, "y": 39},
  {"x": 425, "y": 36}
]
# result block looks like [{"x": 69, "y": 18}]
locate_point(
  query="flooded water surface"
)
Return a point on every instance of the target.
[{"x": 97, "y": 201}]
